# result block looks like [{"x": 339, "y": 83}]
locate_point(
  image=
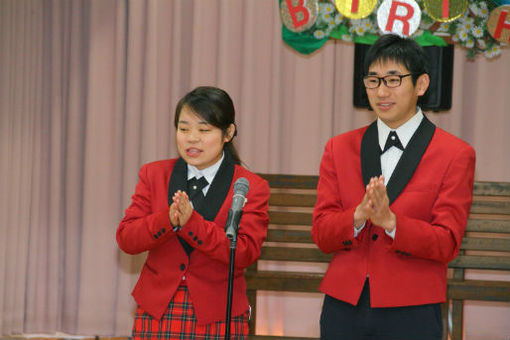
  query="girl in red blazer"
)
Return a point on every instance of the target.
[{"x": 178, "y": 213}]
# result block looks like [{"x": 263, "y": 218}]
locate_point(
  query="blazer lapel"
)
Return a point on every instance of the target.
[
  {"x": 410, "y": 159},
  {"x": 370, "y": 154},
  {"x": 219, "y": 189},
  {"x": 179, "y": 181},
  {"x": 217, "y": 192},
  {"x": 215, "y": 195}
]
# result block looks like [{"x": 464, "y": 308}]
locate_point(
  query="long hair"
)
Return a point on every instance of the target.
[{"x": 215, "y": 106}]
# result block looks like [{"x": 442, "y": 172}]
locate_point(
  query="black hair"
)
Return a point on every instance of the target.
[
  {"x": 405, "y": 51},
  {"x": 215, "y": 106}
]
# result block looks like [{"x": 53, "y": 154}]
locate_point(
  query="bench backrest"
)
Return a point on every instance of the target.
[{"x": 486, "y": 246}]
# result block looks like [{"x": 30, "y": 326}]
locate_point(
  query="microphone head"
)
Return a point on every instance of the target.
[{"x": 241, "y": 186}]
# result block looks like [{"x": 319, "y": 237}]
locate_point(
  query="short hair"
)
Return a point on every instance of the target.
[{"x": 405, "y": 51}]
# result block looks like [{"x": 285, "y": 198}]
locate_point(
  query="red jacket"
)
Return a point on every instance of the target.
[
  {"x": 146, "y": 227},
  {"x": 430, "y": 193}
]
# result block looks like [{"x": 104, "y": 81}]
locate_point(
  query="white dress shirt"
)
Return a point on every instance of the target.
[
  {"x": 390, "y": 158},
  {"x": 208, "y": 173}
]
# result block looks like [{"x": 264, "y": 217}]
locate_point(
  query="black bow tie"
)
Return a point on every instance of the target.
[
  {"x": 195, "y": 186},
  {"x": 393, "y": 140}
]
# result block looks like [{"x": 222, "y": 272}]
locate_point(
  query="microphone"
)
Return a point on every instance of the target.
[{"x": 241, "y": 187}]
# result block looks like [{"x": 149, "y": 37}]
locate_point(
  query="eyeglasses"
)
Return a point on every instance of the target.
[{"x": 391, "y": 80}]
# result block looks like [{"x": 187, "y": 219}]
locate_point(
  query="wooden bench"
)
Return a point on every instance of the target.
[{"x": 486, "y": 247}]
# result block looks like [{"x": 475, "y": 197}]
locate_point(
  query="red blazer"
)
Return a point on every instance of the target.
[
  {"x": 430, "y": 193},
  {"x": 146, "y": 227}
]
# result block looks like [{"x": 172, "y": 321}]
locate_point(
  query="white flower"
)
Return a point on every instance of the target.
[
  {"x": 356, "y": 27},
  {"x": 338, "y": 19},
  {"x": 496, "y": 50},
  {"x": 474, "y": 8},
  {"x": 493, "y": 51},
  {"x": 346, "y": 37},
  {"x": 319, "y": 34},
  {"x": 481, "y": 43},
  {"x": 463, "y": 36},
  {"x": 356, "y": 22},
  {"x": 470, "y": 43},
  {"x": 326, "y": 17},
  {"x": 477, "y": 31},
  {"x": 484, "y": 11},
  {"x": 467, "y": 19},
  {"x": 366, "y": 23},
  {"x": 455, "y": 37},
  {"x": 326, "y": 7},
  {"x": 444, "y": 27}
]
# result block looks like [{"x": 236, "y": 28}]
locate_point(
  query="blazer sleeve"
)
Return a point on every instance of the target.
[
  {"x": 142, "y": 229},
  {"x": 333, "y": 223},
  {"x": 440, "y": 238},
  {"x": 209, "y": 237}
]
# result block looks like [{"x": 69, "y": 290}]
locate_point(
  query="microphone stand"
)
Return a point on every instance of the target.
[{"x": 233, "y": 245}]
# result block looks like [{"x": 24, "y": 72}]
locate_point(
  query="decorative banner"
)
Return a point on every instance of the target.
[
  {"x": 499, "y": 24},
  {"x": 299, "y": 15},
  {"x": 399, "y": 17},
  {"x": 308, "y": 24},
  {"x": 355, "y": 9},
  {"x": 445, "y": 10}
]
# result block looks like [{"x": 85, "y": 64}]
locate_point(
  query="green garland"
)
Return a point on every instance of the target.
[{"x": 469, "y": 31}]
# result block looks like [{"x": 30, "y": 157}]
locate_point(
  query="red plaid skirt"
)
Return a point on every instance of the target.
[{"x": 180, "y": 322}]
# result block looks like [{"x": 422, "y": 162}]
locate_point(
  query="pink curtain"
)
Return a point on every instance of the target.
[{"x": 87, "y": 93}]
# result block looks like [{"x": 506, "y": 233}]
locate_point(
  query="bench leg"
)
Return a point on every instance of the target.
[
  {"x": 457, "y": 319},
  {"x": 252, "y": 299}
]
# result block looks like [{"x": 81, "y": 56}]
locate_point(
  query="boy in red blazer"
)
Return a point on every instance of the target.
[{"x": 392, "y": 205}]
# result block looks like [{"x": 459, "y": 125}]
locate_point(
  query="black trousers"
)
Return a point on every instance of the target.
[{"x": 343, "y": 321}]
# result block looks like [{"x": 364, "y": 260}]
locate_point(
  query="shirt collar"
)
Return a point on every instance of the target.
[
  {"x": 208, "y": 172},
  {"x": 404, "y": 132}
]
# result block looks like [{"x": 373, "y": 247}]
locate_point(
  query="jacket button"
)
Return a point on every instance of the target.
[
  {"x": 375, "y": 236},
  {"x": 199, "y": 242},
  {"x": 190, "y": 233},
  {"x": 195, "y": 238},
  {"x": 183, "y": 266},
  {"x": 163, "y": 230}
]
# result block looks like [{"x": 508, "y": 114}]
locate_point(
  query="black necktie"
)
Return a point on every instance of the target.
[
  {"x": 195, "y": 193},
  {"x": 393, "y": 140}
]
